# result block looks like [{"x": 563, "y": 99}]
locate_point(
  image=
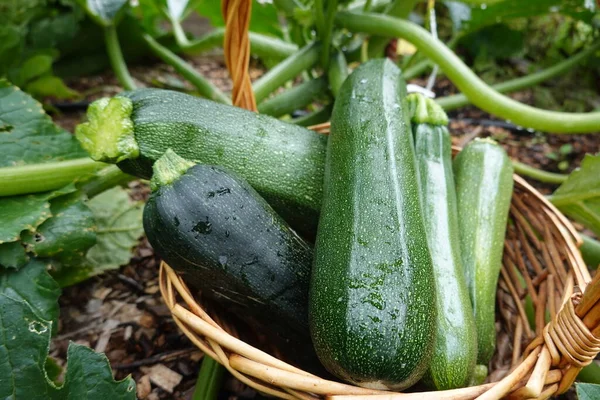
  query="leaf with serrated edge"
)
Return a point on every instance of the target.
[
  {"x": 67, "y": 235},
  {"x": 24, "y": 345},
  {"x": 587, "y": 391},
  {"x": 33, "y": 285},
  {"x": 26, "y": 213},
  {"x": 579, "y": 196},
  {"x": 119, "y": 226},
  {"x": 89, "y": 377},
  {"x": 28, "y": 135}
]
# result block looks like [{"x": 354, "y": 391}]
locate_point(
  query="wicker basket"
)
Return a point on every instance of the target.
[{"x": 541, "y": 250}]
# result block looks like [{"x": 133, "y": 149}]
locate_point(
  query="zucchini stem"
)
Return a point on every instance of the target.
[
  {"x": 35, "y": 178},
  {"x": 180, "y": 36},
  {"x": 326, "y": 34},
  {"x": 105, "y": 179},
  {"x": 478, "y": 92},
  {"x": 294, "y": 99},
  {"x": 315, "y": 117},
  {"x": 203, "y": 85},
  {"x": 286, "y": 70},
  {"x": 117, "y": 61},
  {"x": 399, "y": 9},
  {"x": 538, "y": 174},
  {"x": 319, "y": 17},
  {"x": 210, "y": 379},
  {"x": 422, "y": 62},
  {"x": 337, "y": 72},
  {"x": 459, "y": 100}
]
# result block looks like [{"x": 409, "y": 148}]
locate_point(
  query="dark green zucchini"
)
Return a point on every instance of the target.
[
  {"x": 282, "y": 161},
  {"x": 215, "y": 230},
  {"x": 484, "y": 186},
  {"x": 372, "y": 298},
  {"x": 456, "y": 339}
]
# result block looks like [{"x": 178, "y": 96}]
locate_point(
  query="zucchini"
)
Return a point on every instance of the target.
[
  {"x": 484, "y": 185},
  {"x": 214, "y": 229},
  {"x": 282, "y": 161},
  {"x": 372, "y": 298},
  {"x": 456, "y": 339}
]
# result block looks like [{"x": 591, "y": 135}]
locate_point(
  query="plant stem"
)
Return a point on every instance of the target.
[
  {"x": 117, "y": 61},
  {"x": 337, "y": 72},
  {"x": 34, "y": 178},
  {"x": 294, "y": 99},
  {"x": 319, "y": 17},
  {"x": 260, "y": 45},
  {"x": 314, "y": 118},
  {"x": 459, "y": 100},
  {"x": 590, "y": 250},
  {"x": 470, "y": 84},
  {"x": 286, "y": 70},
  {"x": 180, "y": 37},
  {"x": 210, "y": 379},
  {"x": 400, "y": 9},
  {"x": 538, "y": 174},
  {"x": 422, "y": 63},
  {"x": 105, "y": 179},
  {"x": 326, "y": 35},
  {"x": 416, "y": 70},
  {"x": 204, "y": 86}
]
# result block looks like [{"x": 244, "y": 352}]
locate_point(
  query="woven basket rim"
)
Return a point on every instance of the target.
[
  {"x": 565, "y": 343},
  {"x": 270, "y": 375}
]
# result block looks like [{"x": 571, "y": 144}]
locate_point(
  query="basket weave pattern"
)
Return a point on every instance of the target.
[
  {"x": 540, "y": 247},
  {"x": 543, "y": 277}
]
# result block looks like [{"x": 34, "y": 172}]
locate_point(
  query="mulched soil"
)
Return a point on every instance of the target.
[{"x": 122, "y": 313}]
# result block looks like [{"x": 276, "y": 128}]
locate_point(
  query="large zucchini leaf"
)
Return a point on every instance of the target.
[{"x": 579, "y": 196}]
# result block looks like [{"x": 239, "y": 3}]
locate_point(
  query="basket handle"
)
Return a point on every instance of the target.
[{"x": 236, "y": 46}]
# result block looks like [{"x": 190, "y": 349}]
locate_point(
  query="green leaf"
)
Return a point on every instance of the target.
[
  {"x": 67, "y": 235},
  {"x": 11, "y": 37},
  {"x": 587, "y": 391},
  {"x": 28, "y": 134},
  {"x": 263, "y": 19},
  {"x": 119, "y": 227},
  {"x": 459, "y": 13},
  {"x": 57, "y": 29},
  {"x": 33, "y": 286},
  {"x": 579, "y": 196},
  {"x": 12, "y": 255},
  {"x": 104, "y": 12},
  {"x": 53, "y": 370},
  {"x": 50, "y": 85},
  {"x": 494, "y": 41},
  {"x": 25, "y": 213},
  {"x": 28, "y": 306},
  {"x": 23, "y": 350},
  {"x": 89, "y": 377},
  {"x": 150, "y": 14},
  {"x": 35, "y": 67},
  {"x": 489, "y": 14}
]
